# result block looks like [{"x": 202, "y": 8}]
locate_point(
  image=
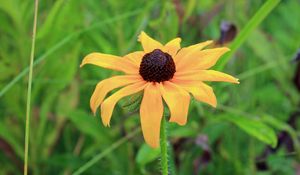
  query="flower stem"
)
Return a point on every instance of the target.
[
  {"x": 29, "y": 90},
  {"x": 164, "y": 147}
]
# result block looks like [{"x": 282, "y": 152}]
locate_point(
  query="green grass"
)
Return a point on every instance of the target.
[
  {"x": 65, "y": 138},
  {"x": 28, "y": 101},
  {"x": 253, "y": 23},
  {"x": 107, "y": 151}
]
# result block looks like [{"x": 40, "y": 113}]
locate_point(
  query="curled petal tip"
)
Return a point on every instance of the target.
[
  {"x": 106, "y": 124},
  {"x": 93, "y": 109},
  {"x": 209, "y": 42},
  {"x": 83, "y": 62},
  {"x": 154, "y": 145},
  {"x": 206, "y": 43},
  {"x": 141, "y": 35},
  {"x": 223, "y": 50},
  {"x": 181, "y": 123},
  {"x": 226, "y": 49},
  {"x": 214, "y": 105}
]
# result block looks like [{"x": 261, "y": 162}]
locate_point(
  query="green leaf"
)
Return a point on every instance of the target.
[
  {"x": 280, "y": 125},
  {"x": 255, "y": 128},
  {"x": 146, "y": 155},
  {"x": 132, "y": 103},
  {"x": 182, "y": 131},
  {"x": 51, "y": 18},
  {"x": 89, "y": 125},
  {"x": 9, "y": 137}
]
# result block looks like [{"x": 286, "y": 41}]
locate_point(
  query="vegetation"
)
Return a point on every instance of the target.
[{"x": 253, "y": 130}]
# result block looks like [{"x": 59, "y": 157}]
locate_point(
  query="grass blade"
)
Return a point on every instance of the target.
[{"x": 259, "y": 16}]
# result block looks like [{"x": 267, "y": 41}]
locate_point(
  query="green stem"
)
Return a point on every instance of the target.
[
  {"x": 164, "y": 147},
  {"x": 29, "y": 89}
]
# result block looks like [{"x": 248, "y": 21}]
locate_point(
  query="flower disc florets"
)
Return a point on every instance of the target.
[{"x": 157, "y": 66}]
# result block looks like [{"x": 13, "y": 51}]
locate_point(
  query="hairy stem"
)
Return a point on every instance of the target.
[{"x": 164, "y": 147}]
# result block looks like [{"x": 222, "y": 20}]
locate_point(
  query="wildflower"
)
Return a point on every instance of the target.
[{"x": 163, "y": 72}]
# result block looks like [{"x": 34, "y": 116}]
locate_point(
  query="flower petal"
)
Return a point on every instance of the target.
[
  {"x": 204, "y": 59},
  {"x": 108, "y": 105},
  {"x": 151, "y": 112},
  {"x": 199, "y": 90},
  {"x": 172, "y": 46},
  {"x": 184, "y": 54},
  {"x": 135, "y": 57},
  {"x": 109, "y": 84},
  {"x": 148, "y": 43},
  {"x": 110, "y": 62},
  {"x": 205, "y": 75},
  {"x": 178, "y": 101}
]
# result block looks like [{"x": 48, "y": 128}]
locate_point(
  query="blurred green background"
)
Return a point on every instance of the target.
[{"x": 238, "y": 137}]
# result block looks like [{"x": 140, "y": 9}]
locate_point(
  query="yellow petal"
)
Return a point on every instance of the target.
[
  {"x": 184, "y": 54},
  {"x": 204, "y": 59},
  {"x": 178, "y": 101},
  {"x": 110, "y": 62},
  {"x": 172, "y": 46},
  {"x": 148, "y": 43},
  {"x": 108, "y": 105},
  {"x": 151, "y": 112},
  {"x": 135, "y": 57},
  {"x": 199, "y": 90},
  {"x": 205, "y": 75},
  {"x": 109, "y": 84}
]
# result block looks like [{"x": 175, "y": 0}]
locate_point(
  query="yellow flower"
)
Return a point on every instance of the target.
[{"x": 163, "y": 72}]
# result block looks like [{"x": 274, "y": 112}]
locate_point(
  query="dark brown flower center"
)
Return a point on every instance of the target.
[{"x": 157, "y": 66}]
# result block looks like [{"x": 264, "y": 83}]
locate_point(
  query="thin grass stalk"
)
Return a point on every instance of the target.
[{"x": 28, "y": 102}]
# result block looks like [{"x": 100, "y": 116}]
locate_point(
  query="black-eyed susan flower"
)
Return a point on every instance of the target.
[{"x": 163, "y": 72}]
